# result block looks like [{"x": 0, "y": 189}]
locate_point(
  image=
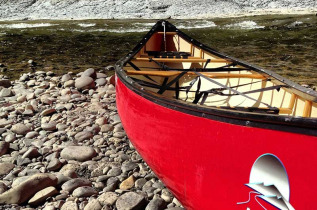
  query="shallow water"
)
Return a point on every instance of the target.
[{"x": 285, "y": 44}]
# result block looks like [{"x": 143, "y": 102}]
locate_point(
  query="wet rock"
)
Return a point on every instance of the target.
[
  {"x": 84, "y": 191},
  {"x": 79, "y": 153},
  {"x": 75, "y": 183},
  {"x": 41, "y": 196},
  {"x": 20, "y": 129},
  {"x": 84, "y": 82},
  {"x": 25, "y": 190},
  {"x": 131, "y": 201}
]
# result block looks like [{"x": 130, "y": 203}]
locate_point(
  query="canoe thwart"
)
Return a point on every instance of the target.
[{"x": 211, "y": 75}]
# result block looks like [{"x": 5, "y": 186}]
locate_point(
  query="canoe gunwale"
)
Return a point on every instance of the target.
[{"x": 292, "y": 124}]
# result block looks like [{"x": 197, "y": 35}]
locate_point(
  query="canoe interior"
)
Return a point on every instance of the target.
[{"x": 182, "y": 55}]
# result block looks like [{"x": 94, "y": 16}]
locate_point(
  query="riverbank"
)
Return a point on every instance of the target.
[
  {"x": 63, "y": 147},
  {"x": 285, "y": 44},
  {"x": 186, "y": 9}
]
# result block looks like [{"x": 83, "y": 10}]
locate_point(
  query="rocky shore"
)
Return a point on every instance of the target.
[
  {"x": 186, "y": 9},
  {"x": 62, "y": 146}
]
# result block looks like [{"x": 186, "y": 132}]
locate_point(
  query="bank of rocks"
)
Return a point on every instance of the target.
[
  {"x": 62, "y": 146},
  {"x": 186, "y": 9}
]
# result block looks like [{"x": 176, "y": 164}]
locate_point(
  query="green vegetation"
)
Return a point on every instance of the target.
[{"x": 286, "y": 45}]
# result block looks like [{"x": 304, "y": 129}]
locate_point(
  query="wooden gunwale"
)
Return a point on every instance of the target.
[{"x": 294, "y": 88}]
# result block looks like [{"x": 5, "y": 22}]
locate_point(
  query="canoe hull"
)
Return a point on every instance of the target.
[{"x": 206, "y": 163}]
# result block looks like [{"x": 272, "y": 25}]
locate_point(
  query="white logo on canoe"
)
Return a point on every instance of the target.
[{"x": 269, "y": 181}]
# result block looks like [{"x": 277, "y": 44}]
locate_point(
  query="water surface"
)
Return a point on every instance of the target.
[{"x": 284, "y": 44}]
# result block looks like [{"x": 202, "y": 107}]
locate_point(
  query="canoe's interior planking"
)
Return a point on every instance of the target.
[{"x": 169, "y": 64}]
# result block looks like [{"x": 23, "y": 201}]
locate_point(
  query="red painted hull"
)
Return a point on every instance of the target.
[{"x": 205, "y": 163}]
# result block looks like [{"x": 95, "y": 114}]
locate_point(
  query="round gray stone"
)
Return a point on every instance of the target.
[
  {"x": 75, "y": 183},
  {"x": 84, "y": 82},
  {"x": 131, "y": 201},
  {"x": 79, "y": 153},
  {"x": 20, "y": 129},
  {"x": 84, "y": 191}
]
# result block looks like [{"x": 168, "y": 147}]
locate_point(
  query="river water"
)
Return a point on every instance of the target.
[{"x": 286, "y": 44}]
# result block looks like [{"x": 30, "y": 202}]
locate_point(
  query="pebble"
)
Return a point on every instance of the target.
[
  {"x": 4, "y": 146},
  {"x": 5, "y": 92},
  {"x": 54, "y": 164},
  {"x": 84, "y": 191},
  {"x": 4, "y": 122},
  {"x": 76, "y": 134},
  {"x": 90, "y": 73},
  {"x": 70, "y": 205},
  {"x": 48, "y": 112},
  {"x": 79, "y": 153},
  {"x": 40, "y": 196},
  {"x": 94, "y": 204},
  {"x": 5, "y": 83},
  {"x": 75, "y": 183},
  {"x": 20, "y": 129},
  {"x": 128, "y": 183},
  {"x": 31, "y": 135},
  {"x": 51, "y": 126},
  {"x": 66, "y": 77},
  {"x": 130, "y": 201},
  {"x": 5, "y": 168},
  {"x": 128, "y": 166},
  {"x": 70, "y": 83},
  {"x": 156, "y": 204},
  {"x": 84, "y": 135},
  {"x": 114, "y": 172},
  {"x": 25, "y": 190},
  {"x": 108, "y": 198},
  {"x": 84, "y": 82}
]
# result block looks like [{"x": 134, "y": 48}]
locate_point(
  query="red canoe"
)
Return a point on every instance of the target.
[{"x": 219, "y": 132}]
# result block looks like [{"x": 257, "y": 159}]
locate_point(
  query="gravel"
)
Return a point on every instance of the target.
[{"x": 71, "y": 154}]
